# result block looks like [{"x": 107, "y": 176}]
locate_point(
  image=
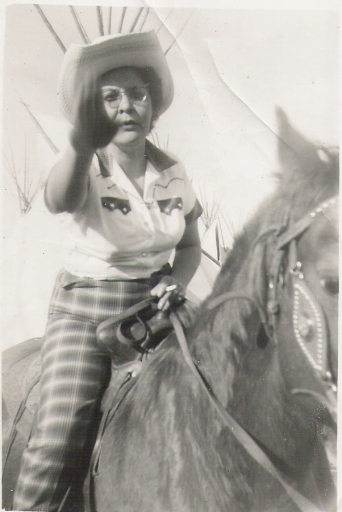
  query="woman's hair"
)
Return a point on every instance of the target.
[{"x": 149, "y": 76}]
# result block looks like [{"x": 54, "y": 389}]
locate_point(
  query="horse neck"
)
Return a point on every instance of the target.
[
  {"x": 242, "y": 365},
  {"x": 222, "y": 334}
]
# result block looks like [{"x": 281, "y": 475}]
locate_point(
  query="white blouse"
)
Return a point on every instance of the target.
[{"x": 119, "y": 234}]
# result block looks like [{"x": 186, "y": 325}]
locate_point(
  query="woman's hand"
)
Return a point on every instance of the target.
[
  {"x": 92, "y": 127},
  {"x": 169, "y": 291}
]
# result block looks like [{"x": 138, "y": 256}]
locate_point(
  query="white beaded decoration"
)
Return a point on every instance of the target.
[
  {"x": 318, "y": 365},
  {"x": 323, "y": 207}
]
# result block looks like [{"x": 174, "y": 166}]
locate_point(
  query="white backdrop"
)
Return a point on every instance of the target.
[{"x": 232, "y": 67}]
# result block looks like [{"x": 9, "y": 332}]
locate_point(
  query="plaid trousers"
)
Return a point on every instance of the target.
[{"x": 75, "y": 374}]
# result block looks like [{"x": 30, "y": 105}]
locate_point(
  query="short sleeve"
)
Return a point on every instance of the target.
[{"x": 194, "y": 214}]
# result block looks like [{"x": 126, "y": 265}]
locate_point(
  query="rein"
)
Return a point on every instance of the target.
[
  {"x": 240, "y": 434},
  {"x": 287, "y": 238}
]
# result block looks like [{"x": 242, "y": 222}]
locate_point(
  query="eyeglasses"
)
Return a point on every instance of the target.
[{"x": 113, "y": 95}]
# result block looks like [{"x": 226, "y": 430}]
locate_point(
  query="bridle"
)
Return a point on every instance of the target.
[
  {"x": 309, "y": 323},
  {"x": 314, "y": 325}
]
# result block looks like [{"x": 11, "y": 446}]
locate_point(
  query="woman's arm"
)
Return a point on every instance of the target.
[
  {"x": 186, "y": 262},
  {"x": 187, "y": 255},
  {"x": 67, "y": 185}
]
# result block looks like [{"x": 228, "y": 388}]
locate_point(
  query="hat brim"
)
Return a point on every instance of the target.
[{"x": 139, "y": 49}]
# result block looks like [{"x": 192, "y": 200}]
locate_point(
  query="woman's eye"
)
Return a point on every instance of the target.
[
  {"x": 330, "y": 285},
  {"x": 111, "y": 96},
  {"x": 137, "y": 94}
]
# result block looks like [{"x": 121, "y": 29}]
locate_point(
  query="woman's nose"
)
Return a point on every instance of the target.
[{"x": 125, "y": 103}]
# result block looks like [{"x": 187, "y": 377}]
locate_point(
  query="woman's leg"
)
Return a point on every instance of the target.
[{"x": 74, "y": 376}]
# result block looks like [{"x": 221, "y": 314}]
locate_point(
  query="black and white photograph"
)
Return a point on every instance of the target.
[{"x": 170, "y": 268}]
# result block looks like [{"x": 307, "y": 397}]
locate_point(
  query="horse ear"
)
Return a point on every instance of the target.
[
  {"x": 298, "y": 155},
  {"x": 287, "y": 157}
]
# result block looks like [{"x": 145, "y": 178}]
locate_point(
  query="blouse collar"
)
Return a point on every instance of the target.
[{"x": 158, "y": 158}]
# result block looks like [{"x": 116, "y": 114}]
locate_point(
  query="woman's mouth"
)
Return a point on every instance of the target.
[{"x": 129, "y": 125}]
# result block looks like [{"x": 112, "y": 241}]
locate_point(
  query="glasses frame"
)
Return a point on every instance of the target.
[{"x": 123, "y": 92}]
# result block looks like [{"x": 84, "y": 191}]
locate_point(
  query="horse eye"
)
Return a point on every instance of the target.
[{"x": 330, "y": 284}]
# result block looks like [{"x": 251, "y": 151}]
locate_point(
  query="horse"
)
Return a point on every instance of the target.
[
  {"x": 264, "y": 345},
  {"x": 237, "y": 418}
]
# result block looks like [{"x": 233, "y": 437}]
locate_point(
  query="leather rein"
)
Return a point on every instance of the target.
[{"x": 287, "y": 240}]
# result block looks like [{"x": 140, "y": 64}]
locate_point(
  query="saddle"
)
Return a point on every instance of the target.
[
  {"x": 129, "y": 338},
  {"x": 135, "y": 332},
  {"x": 125, "y": 337}
]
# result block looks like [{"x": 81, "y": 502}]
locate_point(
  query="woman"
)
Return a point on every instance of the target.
[{"x": 127, "y": 206}]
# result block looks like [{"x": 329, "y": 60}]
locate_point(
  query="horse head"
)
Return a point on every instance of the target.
[
  {"x": 309, "y": 243},
  {"x": 308, "y": 297}
]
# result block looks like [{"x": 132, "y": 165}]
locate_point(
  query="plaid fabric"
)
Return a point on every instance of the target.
[{"x": 75, "y": 374}]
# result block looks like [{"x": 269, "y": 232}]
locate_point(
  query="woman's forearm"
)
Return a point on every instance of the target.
[
  {"x": 185, "y": 264},
  {"x": 67, "y": 184},
  {"x": 187, "y": 255}
]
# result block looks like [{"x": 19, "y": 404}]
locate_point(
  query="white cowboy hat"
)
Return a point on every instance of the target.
[{"x": 139, "y": 49}]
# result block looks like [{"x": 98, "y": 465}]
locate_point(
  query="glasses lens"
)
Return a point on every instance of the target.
[
  {"x": 112, "y": 96},
  {"x": 138, "y": 94}
]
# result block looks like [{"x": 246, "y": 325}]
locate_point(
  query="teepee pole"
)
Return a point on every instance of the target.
[
  {"x": 179, "y": 33},
  {"x": 41, "y": 129},
  {"x": 110, "y": 20},
  {"x": 144, "y": 19},
  {"x": 123, "y": 13},
  {"x": 100, "y": 20},
  {"x": 49, "y": 26},
  {"x": 210, "y": 257},
  {"x": 79, "y": 25},
  {"x": 136, "y": 19}
]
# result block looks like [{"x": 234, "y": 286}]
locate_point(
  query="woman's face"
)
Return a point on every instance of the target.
[{"x": 130, "y": 112}]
